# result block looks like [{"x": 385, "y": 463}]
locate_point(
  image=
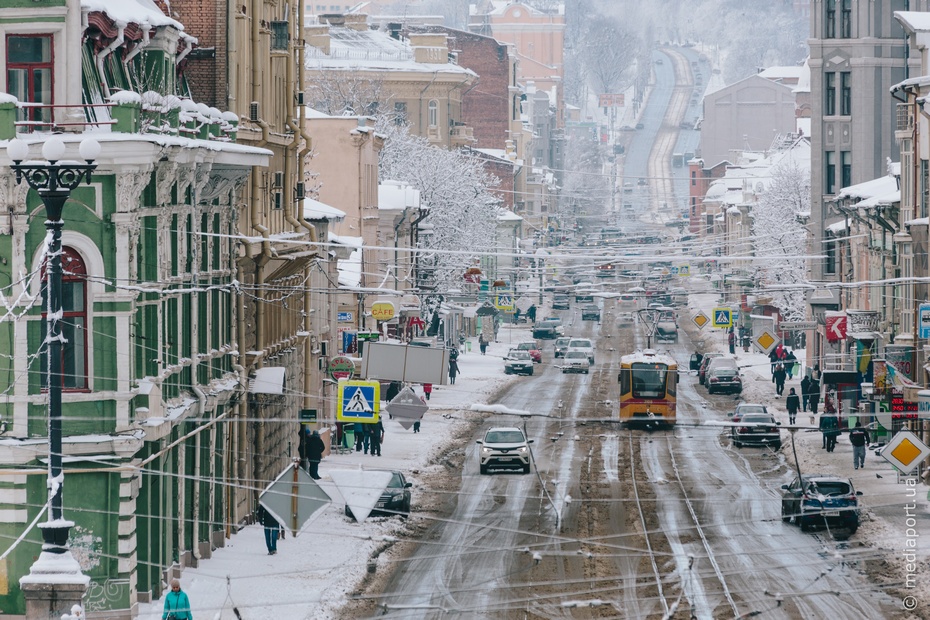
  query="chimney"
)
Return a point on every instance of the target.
[
  {"x": 394, "y": 29},
  {"x": 356, "y": 21},
  {"x": 318, "y": 36},
  {"x": 429, "y": 47}
]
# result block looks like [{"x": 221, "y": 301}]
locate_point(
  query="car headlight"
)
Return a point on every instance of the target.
[
  {"x": 522, "y": 449},
  {"x": 485, "y": 450}
]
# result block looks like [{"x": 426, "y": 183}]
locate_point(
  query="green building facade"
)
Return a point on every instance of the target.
[{"x": 150, "y": 296}]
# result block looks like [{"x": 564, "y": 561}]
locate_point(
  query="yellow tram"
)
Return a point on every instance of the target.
[{"x": 648, "y": 388}]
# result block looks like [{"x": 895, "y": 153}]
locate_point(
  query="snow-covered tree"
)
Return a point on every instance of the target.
[
  {"x": 347, "y": 93},
  {"x": 780, "y": 239},
  {"x": 454, "y": 188}
]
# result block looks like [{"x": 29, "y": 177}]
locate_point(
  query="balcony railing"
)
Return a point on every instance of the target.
[{"x": 904, "y": 117}]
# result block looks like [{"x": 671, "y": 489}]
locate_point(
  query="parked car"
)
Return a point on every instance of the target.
[
  {"x": 576, "y": 361},
  {"x": 583, "y": 344},
  {"x": 745, "y": 408},
  {"x": 561, "y": 346},
  {"x": 518, "y": 363},
  {"x": 760, "y": 429},
  {"x": 532, "y": 348},
  {"x": 723, "y": 378},
  {"x": 591, "y": 313},
  {"x": 814, "y": 499},
  {"x": 505, "y": 447},
  {"x": 584, "y": 298},
  {"x": 561, "y": 302},
  {"x": 395, "y": 500},
  {"x": 704, "y": 363}
]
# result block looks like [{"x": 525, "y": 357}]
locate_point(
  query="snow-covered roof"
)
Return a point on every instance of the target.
[
  {"x": 837, "y": 227},
  {"x": 373, "y": 50},
  {"x": 919, "y": 81},
  {"x": 124, "y": 12},
  {"x": 316, "y": 210},
  {"x": 782, "y": 73},
  {"x": 804, "y": 83},
  {"x": 880, "y": 201},
  {"x": 500, "y": 154},
  {"x": 920, "y": 221},
  {"x": 870, "y": 189},
  {"x": 352, "y": 242},
  {"x": 397, "y": 196},
  {"x": 505, "y": 215},
  {"x": 915, "y": 21}
]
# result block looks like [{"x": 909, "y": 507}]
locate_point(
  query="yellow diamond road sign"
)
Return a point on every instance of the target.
[
  {"x": 766, "y": 341},
  {"x": 905, "y": 451},
  {"x": 700, "y": 319}
]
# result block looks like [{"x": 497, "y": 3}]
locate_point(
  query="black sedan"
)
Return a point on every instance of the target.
[
  {"x": 395, "y": 500},
  {"x": 760, "y": 429}
]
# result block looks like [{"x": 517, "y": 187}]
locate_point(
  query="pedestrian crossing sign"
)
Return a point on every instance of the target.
[
  {"x": 684, "y": 271},
  {"x": 504, "y": 302},
  {"x": 722, "y": 317},
  {"x": 358, "y": 401}
]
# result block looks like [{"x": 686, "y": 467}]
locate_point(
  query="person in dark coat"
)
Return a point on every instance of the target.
[
  {"x": 177, "y": 605},
  {"x": 482, "y": 344},
  {"x": 453, "y": 370},
  {"x": 813, "y": 398},
  {"x": 315, "y": 449},
  {"x": 377, "y": 437},
  {"x": 303, "y": 436},
  {"x": 792, "y": 404},
  {"x": 731, "y": 340},
  {"x": 272, "y": 529},
  {"x": 805, "y": 392},
  {"x": 531, "y": 313},
  {"x": 362, "y": 438},
  {"x": 790, "y": 360},
  {"x": 859, "y": 438},
  {"x": 779, "y": 378},
  {"x": 830, "y": 427},
  {"x": 393, "y": 390},
  {"x": 773, "y": 358}
]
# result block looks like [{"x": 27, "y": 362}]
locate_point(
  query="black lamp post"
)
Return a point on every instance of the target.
[{"x": 54, "y": 180}]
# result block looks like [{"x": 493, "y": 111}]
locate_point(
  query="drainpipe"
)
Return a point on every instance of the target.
[
  {"x": 146, "y": 39},
  {"x": 195, "y": 500},
  {"x": 187, "y": 50},
  {"x": 102, "y": 55}
]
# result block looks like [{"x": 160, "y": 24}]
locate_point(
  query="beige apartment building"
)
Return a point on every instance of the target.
[{"x": 412, "y": 79}]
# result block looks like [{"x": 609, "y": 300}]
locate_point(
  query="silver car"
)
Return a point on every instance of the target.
[
  {"x": 504, "y": 447},
  {"x": 576, "y": 361}
]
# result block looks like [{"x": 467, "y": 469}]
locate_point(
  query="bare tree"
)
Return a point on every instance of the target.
[
  {"x": 348, "y": 92},
  {"x": 610, "y": 51}
]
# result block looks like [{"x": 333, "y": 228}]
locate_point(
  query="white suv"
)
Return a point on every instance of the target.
[
  {"x": 504, "y": 446},
  {"x": 582, "y": 344}
]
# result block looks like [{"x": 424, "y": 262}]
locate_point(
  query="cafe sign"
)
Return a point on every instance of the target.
[{"x": 383, "y": 310}]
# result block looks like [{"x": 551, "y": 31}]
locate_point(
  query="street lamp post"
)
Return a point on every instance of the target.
[{"x": 53, "y": 180}]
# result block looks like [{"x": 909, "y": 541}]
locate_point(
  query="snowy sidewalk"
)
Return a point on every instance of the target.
[{"x": 311, "y": 575}]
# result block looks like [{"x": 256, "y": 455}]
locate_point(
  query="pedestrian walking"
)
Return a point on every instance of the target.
[
  {"x": 302, "y": 439},
  {"x": 416, "y": 426},
  {"x": 531, "y": 313},
  {"x": 394, "y": 388},
  {"x": 362, "y": 437},
  {"x": 815, "y": 373},
  {"x": 779, "y": 378},
  {"x": 793, "y": 404},
  {"x": 830, "y": 427},
  {"x": 516, "y": 315},
  {"x": 731, "y": 340},
  {"x": 453, "y": 370},
  {"x": 805, "y": 392},
  {"x": 177, "y": 605},
  {"x": 773, "y": 359},
  {"x": 814, "y": 395},
  {"x": 272, "y": 529},
  {"x": 315, "y": 449},
  {"x": 859, "y": 438},
  {"x": 482, "y": 344},
  {"x": 427, "y": 390},
  {"x": 377, "y": 437},
  {"x": 790, "y": 361}
]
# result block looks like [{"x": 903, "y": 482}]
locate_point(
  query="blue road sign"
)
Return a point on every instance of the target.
[
  {"x": 722, "y": 317},
  {"x": 359, "y": 401},
  {"x": 924, "y": 320}
]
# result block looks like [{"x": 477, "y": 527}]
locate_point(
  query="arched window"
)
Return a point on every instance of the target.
[
  {"x": 433, "y": 113},
  {"x": 73, "y": 324}
]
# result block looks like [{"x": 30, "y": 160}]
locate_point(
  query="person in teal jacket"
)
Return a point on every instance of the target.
[{"x": 177, "y": 606}]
